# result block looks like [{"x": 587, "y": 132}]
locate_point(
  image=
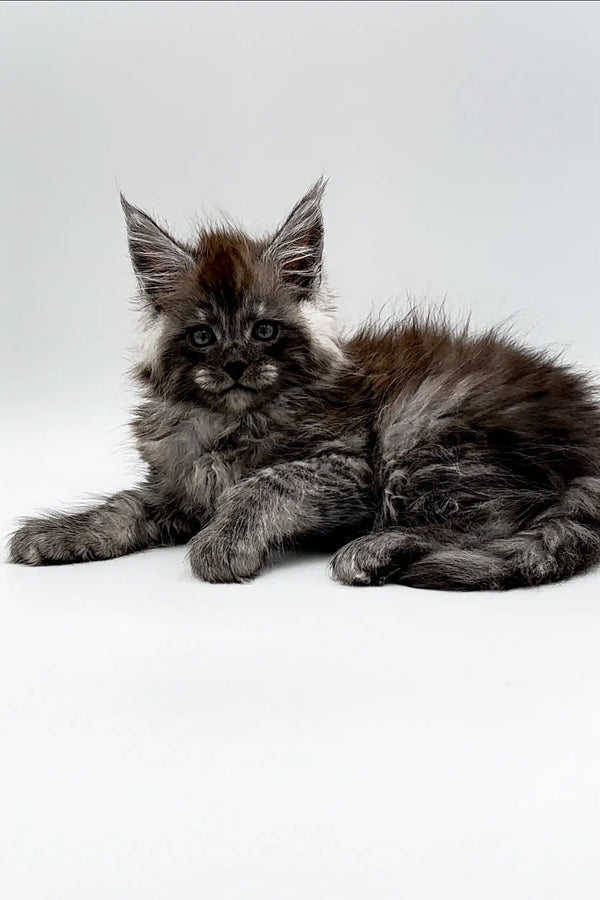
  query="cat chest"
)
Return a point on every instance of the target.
[
  {"x": 198, "y": 470},
  {"x": 203, "y": 478}
]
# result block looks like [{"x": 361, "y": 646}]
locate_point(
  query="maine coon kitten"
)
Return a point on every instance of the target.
[{"x": 424, "y": 455}]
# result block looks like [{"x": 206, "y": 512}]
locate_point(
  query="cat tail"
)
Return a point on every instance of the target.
[{"x": 558, "y": 543}]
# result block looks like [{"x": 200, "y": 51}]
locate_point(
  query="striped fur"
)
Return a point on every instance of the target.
[{"x": 422, "y": 454}]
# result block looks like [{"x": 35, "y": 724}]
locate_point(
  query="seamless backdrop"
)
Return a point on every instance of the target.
[{"x": 161, "y": 738}]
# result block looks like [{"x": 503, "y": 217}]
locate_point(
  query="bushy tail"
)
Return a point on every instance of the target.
[{"x": 558, "y": 543}]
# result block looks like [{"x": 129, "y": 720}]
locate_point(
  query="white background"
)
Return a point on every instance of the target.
[{"x": 161, "y": 738}]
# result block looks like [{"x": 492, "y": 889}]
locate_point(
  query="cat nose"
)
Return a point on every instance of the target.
[{"x": 236, "y": 369}]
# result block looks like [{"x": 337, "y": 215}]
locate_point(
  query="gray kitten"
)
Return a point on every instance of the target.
[{"x": 423, "y": 455}]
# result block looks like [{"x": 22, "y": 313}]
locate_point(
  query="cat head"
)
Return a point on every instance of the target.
[{"x": 231, "y": 321}]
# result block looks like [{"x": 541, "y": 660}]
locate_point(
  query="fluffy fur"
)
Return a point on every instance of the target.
[{"x": 422, "y": 454}]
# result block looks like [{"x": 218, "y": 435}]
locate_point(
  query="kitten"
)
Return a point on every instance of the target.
[{"x": 423, "y": 455}]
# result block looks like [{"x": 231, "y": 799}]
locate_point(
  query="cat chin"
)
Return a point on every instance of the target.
[{"x": 238, "y": 400}]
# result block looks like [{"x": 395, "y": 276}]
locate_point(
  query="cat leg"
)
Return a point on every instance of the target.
[
  {"x": 278, "y": 506},
  {"x": 124, "y": 523},
  {"x": 557, "y": 543},
  {"x": 561, "y": 541}
]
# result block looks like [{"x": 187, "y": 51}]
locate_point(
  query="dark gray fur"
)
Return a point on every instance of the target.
[{"x": 428, "y": 456}]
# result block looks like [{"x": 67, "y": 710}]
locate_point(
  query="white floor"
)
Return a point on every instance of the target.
[{"x": 163, "y": 738}]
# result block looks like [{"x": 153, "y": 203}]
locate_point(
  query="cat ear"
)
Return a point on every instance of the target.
[
  {"x": 297, "y": 246},
  {"x": 157, "y": 259}
]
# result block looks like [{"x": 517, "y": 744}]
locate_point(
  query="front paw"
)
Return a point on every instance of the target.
[
  {"x": 42, "y": 542},
  {"x": 220, "y": 555}
]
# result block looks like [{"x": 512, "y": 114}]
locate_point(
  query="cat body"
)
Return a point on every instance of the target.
[{"x": 424, "y": 455}]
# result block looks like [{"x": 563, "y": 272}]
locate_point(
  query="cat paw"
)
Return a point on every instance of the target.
[
  {"x": 377, "y": 558},
  {"x": 360, "y": 564},
  {"x": 219, "y": 556},
  {"x": 41, "y": 542}
]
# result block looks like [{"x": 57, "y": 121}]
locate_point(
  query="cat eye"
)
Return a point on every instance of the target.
[
  {"x": 201, "y": 336},
  {"x": 265, "y": 331}
]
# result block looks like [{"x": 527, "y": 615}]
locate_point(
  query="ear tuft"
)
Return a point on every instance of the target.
[
  {"x": 297, "y": 246},
  {"x": 158, "y": 260}
]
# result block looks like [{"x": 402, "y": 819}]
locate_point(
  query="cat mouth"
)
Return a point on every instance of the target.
[{"x": 240, "y": 387}]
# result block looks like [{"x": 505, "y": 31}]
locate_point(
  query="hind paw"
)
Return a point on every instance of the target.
[
  {"x": 377, "y": 558},
  {"x": 362, "y": 563}
]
